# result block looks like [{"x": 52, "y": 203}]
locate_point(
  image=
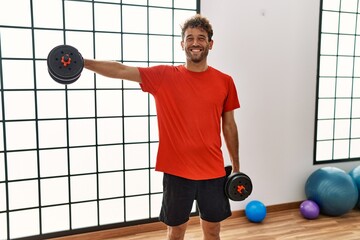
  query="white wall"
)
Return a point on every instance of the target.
[{"x": 270, "y": 49}]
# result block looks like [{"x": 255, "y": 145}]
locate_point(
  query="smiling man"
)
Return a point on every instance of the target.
[{"x": 194, "y": 102}]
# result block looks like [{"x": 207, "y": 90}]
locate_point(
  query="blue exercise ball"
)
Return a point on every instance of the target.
[
  {"x": 355, "y": 175},
  {"x": 255, "y": 211},
  {"x": 333, "y": 190}
]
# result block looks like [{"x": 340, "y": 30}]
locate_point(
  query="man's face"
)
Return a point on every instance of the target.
[{"x": 196, "y": 44}]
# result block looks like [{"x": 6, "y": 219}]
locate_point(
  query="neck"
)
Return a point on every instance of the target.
[{"x": 196, "y": 67}]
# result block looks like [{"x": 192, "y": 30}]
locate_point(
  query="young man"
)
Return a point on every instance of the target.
[{"x": 194, "y": 103}]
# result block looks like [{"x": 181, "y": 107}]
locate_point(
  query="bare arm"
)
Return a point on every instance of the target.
[
  {"x": 113, "y": 69},
  {"x": 231, "y": 138}
]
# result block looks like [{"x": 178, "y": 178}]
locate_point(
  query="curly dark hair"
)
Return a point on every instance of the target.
[{"x": 197, "y": 21}]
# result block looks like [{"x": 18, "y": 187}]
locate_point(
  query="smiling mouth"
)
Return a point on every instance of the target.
[{"x": 196, "y": 50}]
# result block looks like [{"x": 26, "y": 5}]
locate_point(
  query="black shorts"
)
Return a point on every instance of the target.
[{"x": 180, "y": 193}]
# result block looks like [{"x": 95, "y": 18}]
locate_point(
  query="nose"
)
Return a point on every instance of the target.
[{"x": 195, "y": 42}]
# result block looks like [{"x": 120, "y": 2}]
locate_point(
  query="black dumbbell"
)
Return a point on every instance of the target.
[
  {"x": 238, "y": 185},
  {"x": 65, "y": 64}
]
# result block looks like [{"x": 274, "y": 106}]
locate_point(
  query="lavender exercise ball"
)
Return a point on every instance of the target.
[{"x": 309, "y": 209}]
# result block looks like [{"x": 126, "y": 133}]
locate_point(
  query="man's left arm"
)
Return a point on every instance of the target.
[{"x": 231, "y": 137}]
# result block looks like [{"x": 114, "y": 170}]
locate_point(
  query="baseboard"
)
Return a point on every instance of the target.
[{"x": 149, "y": 227}]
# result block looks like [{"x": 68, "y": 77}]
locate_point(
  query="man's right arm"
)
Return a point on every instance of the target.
[{"x": 113, "y": 69}]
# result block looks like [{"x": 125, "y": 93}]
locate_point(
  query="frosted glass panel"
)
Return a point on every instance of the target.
[
  {"x": 52, "y": 133},
  {"x": 329, "y": 44},
  {"x": 82, "y": 132},
  {"x": 137, "y": 182},
  {"x": 3, "y": 226},
  {"x": 107, "y": 134},
  {"x": 325, "y": 129},
  {"x": 11, "y": 10},
  {"x": 82, "y": 160},
  {"x": 156, "y": 181},
  {"x": 83, "y": 188},
  {"x": 136, "y": 103},
  {"x": 84, "y": 215},
  {"x": 136, "y": 156},
  {"x": 134, "y": 19},
  {"x": 81, "y": 103},
  {"x": 109, "y": 102},
  {"x": 342, "y": 128},
  {"x": 345, "y": 66},
  {"x": 51, "y": 104},
  {"x": 16, "y": 43},
  {"x": 60, "y": 223},
  {"x": 53, "y": 162},
  {"x": 355, "y": 148},
  {"x": 111, "y": 185},
  {"x": 111, "y": 211},
  {"x": 355, "y": 128},
  {"x": 20, "y": 135},
  {"x": 78, "y": 15},
  {"x": 137, "y": 208},
  {"x": 330, "y": 22},
  {"x": 347, "y": 23},
  {"x": 54, "y": 191},
  {"x": 24, "y": 223},
  {"x": 2, "y": 197},
  {"x": 22, "y": 165},
  {"x": 136, "y": 129},
  {"x": 47, "y": 14},
  {"x": 112, "y": 21},
  {"x": 19, "y": 105},
  {"x": 327, "y": 66},
  {"x": 156, "y": 200},
  {"x": 346, "y": 45},
  {"x": 341, "y": 149},
  {"x": 326, "y": 87},
  {"x": 103, "y": 41},
  {"x": 110, "y": 158},
  {"x": 2, "y": 168},
  {"x": 324, "y": 150},
  {"x": 23, "y": 194},
  {"x": 343, "y": 108},
  {"x": 137, "y": 47},
  {"x": 158, "y": 25},
  {"x": 184, "y": 4},
  {"x": 162, "y": 48},
  {"x": 326, "y": 108},
  {"x": 344, "y": 87},
  {"x": 14, "y": 79}
]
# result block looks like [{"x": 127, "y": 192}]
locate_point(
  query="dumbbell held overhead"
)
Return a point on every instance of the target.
[{"x": 65, "y": 64}]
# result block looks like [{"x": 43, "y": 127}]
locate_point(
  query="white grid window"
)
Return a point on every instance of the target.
[{"x": 71, "y": 157}]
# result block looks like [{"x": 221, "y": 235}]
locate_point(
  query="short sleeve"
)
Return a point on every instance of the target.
[
  {"x": 151, "y": 78},
  {"x": 232, "y": 100}
]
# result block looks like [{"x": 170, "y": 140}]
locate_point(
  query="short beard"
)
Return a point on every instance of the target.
[{"x": 202, "y": 56}]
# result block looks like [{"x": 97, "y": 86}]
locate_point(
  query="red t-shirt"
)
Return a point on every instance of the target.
[{"x": 189, "y": 108}]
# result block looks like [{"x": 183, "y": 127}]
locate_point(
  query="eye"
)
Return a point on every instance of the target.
[{"x": 202, "y": 39}]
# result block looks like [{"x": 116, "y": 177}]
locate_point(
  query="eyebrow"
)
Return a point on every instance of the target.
[{"x": 200, "y": 35}]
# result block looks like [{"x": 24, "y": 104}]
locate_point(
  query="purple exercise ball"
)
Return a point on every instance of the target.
[{"x": 309, "y": 209}]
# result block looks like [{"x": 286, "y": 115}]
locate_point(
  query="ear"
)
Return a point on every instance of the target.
[
  {"x": 182, "y": 45},
  {"x": 211, "y": 44}
]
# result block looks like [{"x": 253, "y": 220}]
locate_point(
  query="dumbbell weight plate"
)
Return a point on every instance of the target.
[
  {"x": 238, "y": 186},
  {"x": 65, "y": 64}
]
